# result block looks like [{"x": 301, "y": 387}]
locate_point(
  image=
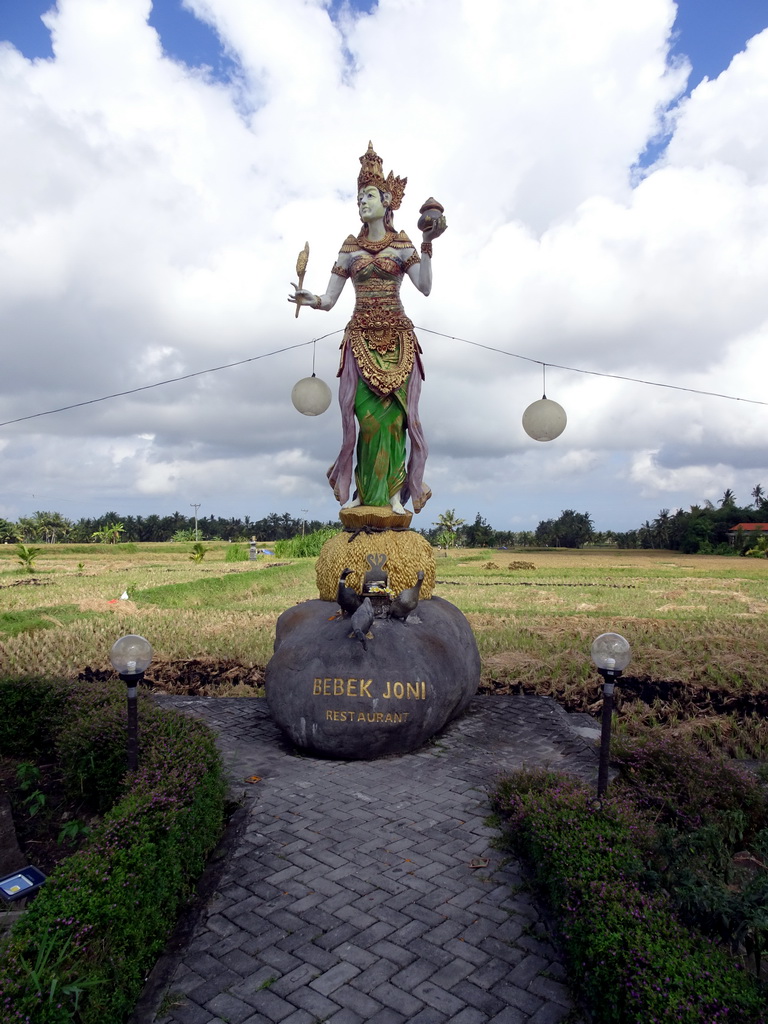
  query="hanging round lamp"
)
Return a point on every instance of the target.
[
  {"x": 544, "y": 420},
  {"x": 311, "y": 396}
]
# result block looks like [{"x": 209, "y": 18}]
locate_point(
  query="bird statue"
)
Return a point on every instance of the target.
[
  {"x": 362, "y": 620},
  {"x": 348, "y": 599},
  {"x": 406, "y": 600}
]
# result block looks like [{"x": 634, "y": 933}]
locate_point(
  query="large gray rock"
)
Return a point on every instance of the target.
[{"x": 335, "y": 699}]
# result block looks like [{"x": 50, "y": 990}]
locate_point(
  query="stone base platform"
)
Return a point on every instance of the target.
[{"x": 334, "y": 698}]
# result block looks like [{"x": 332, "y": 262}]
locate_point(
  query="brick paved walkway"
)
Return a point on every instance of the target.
[{"x": 359, "y": 891}]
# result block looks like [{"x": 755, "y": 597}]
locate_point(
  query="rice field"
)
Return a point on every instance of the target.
[{"x": 698, "y": 624}]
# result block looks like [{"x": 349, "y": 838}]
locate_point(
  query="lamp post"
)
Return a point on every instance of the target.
[
  {"x": 611, "y": 654},
  {"x": 130, "y": 657}
]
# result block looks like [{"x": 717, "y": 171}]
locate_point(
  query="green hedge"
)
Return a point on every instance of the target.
[
  {"x": 631, "y": 959},
  {"x": 84, "y": 946},
  {"x": 308, "y": 546}
]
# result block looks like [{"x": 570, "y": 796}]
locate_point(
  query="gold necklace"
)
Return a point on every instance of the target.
[{"x": 370, "y": 246}]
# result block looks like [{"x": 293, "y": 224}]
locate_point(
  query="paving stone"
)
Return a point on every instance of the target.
[
  {"x": 437, "y": 955},
  {"x": 351, "y": 884},
  {"x": 526, "y": 971},
  {"x": 230, "y": 1008},
  {"x": 189, "y": 1013},
  {"x": 413, "y": 974},
  {"x": 451, "y": 974},
  {"x": 509, "y": 1015},
  {"x": 297, "y": 1017},
  {"x": 396, "y": 953},
  {"x": 297, "y": 978},
  {"x": 552, "y": 990},
  {"x": 239, "y": 962},
  {"x": 397, "y": 999},
  {"x": 354, "y": 999},
  {"x": 270, "y": 1005},
  {"x": 337, "y": 936},
  {"x": 203, "y": 964},
  {"x": 369, "y": 936},
  {"x": 332, "y": 979},
  {"x": 210, "y": 988},
  {"x": 502, "y": 950},
  {"x": 406, "y": 935},
  {"x": 346, "y": 1016},
  {"x": 478, "y": 997},
  {"x": 489, "y": 973},
  {"x": 518, "y": 997},
  {"x": 377, "y": 974},
  {"x": 314, "y": 1002},
  {"x": 387, "y": 1016},
  {"x": 429, "y": 1015},
  {"x": 312, "y": 954},
  {"x": 468, "y": 1016},
  {"x": 549, "y": 1013},
  {"x": 464, "y": 950},
  {"x": 279, "y": 959},
  {"x": 438, "y": 997},
  {"x": 263, "y": 978}
]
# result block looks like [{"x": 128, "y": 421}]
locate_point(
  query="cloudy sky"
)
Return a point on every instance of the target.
[{"x": 604, "y": 169}]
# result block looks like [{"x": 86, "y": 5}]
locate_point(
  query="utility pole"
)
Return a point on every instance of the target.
[
  {"x": 195, "y": 507},
  {"x": 304, "y": 520}
]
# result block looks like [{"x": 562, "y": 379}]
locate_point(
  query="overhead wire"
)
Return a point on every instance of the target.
[
  {"x": 593, "y": 373},
  {"x": 171, "y": 380},
  {"x": 424, "y": 330}
]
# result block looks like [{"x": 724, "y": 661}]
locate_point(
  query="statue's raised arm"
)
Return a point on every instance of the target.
[{"x": 381, "y": 369}]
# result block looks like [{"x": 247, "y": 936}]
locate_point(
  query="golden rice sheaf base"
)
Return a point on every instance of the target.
[
  {"x": 406, "y": 552},
  {"x": 374, "y": 515}
]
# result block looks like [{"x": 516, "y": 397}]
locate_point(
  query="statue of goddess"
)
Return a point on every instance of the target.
[{"x": 381, "y": 370}]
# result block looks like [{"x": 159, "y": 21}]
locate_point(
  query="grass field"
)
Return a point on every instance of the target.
[{"x": 698, "y": 624}]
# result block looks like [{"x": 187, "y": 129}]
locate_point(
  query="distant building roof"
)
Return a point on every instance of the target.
[{"x": 750, "y": 527}]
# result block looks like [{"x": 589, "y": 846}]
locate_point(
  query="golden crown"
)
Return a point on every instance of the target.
[{"x": 371, "y": 173}]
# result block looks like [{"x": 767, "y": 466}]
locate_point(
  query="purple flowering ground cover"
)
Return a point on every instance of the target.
[
  {"x": 632, "y": 956},
  {"x": 83, "y": 948}
]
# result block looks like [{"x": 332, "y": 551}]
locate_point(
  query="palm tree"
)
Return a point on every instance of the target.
[
  {"x": 109, "y": 534},
  {"x": 198, "y": 553},
  {"x": 661, "y": 527},
  {"x": 27, "y": 528},
  {"x": 728, "y": 498},
  {"x": 27, "y": 556},
  {"x": 7, "y": 531},
  {"x": 758, "y": 494},
  {"x": 646, "y": 535},
  {"x": 51, "y": 526},
  {"x": 449, "y": 523}
]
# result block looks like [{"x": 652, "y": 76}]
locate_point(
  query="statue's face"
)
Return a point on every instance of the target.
[{"x": 370, "y": 204}]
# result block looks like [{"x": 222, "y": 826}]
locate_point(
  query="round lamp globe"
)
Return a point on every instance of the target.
[
  {"x": 311, "y": 396},
  {"x": 544, "y": 420}
]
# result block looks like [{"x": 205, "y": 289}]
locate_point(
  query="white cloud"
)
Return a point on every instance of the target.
[{"x": 150, "y": 220}]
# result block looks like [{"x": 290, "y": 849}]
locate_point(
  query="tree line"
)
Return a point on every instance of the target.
[
  {"x": 570, "y": 530},
  {"x": 112, "y": 528},
  {"x": 702, "y": 529}
]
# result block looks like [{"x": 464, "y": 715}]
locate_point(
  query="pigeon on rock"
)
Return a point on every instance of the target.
[
  {"x": 362, "y": 620},
  {"x": 348, "y": 599},
  {"x": 406, "y": 600}
]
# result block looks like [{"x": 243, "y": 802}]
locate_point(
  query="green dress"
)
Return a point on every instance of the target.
[{"x": 381, "y": 376}]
